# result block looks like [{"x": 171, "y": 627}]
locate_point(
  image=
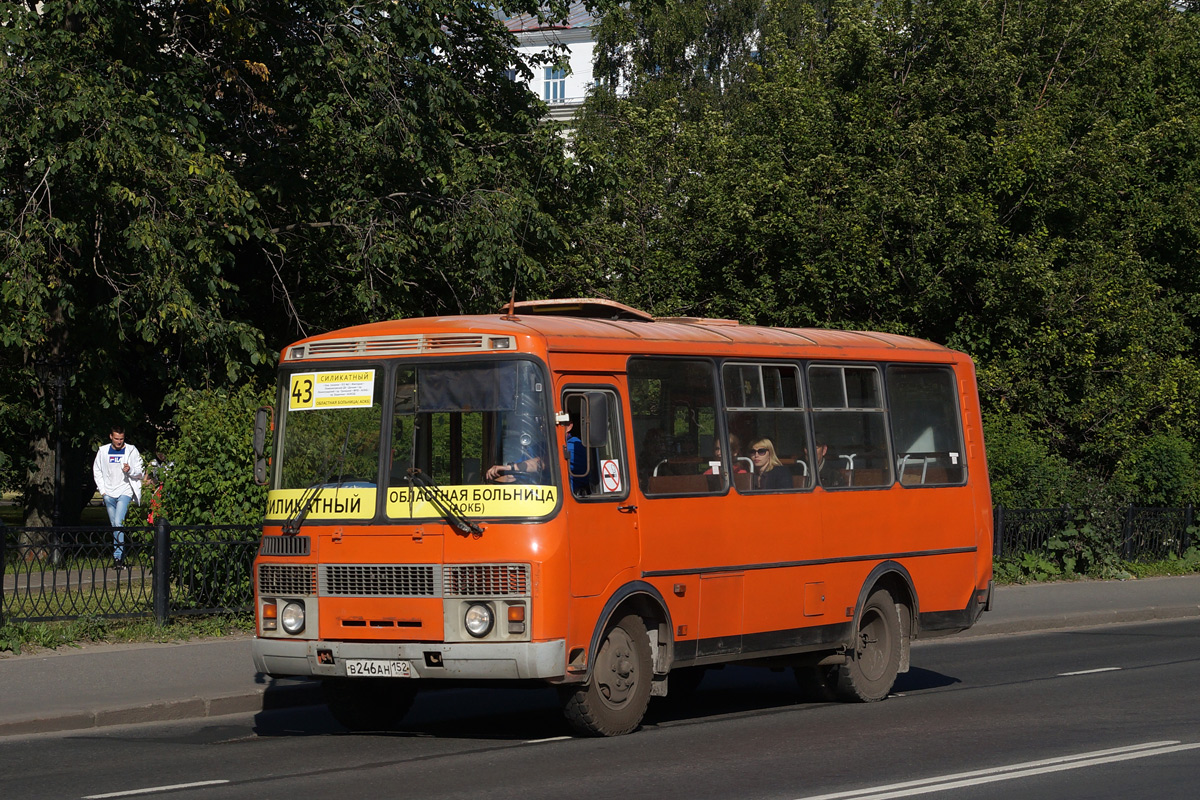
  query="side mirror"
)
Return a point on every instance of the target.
[
  {"x": 262, "y": 426},
  {"x": 595, "y": 420}
]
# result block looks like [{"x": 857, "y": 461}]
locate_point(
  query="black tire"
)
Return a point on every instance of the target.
[
  {"x": 871, "y": 668},
  {"x": 614, "y": 700},
  {"x": 817, "y": 684},
  {"x": 368, "y": 704}
]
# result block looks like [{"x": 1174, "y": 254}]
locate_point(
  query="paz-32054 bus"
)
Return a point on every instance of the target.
[{"x": 578, "y": 494}]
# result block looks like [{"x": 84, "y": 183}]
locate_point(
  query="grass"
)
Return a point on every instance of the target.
[
  {"x": 23, "y": 637},
  {"x": 1188, "y": 564}
]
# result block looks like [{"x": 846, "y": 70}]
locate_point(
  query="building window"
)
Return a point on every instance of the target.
[{"x": 556, "y": 84}]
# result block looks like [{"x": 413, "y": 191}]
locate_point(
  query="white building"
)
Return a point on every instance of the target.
[{"x": 563, "y": 89}]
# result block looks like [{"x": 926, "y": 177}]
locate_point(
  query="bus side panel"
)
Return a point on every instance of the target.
[
  {"x": 977, "y": 471},
  {"x": 931, "y": 530}
]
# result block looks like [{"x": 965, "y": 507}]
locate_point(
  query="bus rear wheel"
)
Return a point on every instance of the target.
[
  {"x": 368, "y": 704},
  {"x": 871, "y": 666},
  {"x": 614, "y": 700}
]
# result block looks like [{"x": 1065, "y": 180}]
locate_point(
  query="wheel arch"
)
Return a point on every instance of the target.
[
  {"x": 893, "y": 577},
  {"x": 641, "y": 598}
]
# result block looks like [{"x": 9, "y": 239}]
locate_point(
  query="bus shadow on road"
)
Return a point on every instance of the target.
[
  {"x": 917, "y": 680},
  {"x": 533, "y": 714}
]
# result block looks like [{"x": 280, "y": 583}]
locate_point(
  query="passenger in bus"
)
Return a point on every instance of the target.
[
  {"x": 736, "y": 462},
  {"x": 769, "y": 472},
  {"x": 827, "y": 471}
]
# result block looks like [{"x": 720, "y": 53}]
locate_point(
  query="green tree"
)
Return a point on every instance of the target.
[
  {"x": 1014, "y": 181},
  {"x": 117, "y": 223},
  {"x": 185, "y": 185}
]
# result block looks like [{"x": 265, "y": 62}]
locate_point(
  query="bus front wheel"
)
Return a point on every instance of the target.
[
  {"x": 614, "y": 701},
  {"x": 368, "y": 704},
  {"x": 872, "y": 663}
]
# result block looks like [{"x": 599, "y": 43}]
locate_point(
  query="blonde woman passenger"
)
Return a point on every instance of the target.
[{"x": 769, "y": 472}]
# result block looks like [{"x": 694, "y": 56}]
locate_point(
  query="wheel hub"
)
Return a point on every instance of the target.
[{"x": 616, "y": 675}]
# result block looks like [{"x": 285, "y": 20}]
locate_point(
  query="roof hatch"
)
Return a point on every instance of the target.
[{"x": 588, "y": 307}]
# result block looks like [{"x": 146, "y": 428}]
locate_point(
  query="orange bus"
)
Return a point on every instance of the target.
[{"x": 576, "y": 493}]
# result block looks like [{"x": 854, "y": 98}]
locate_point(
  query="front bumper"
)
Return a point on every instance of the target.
[{"x": 458, "y": 661}]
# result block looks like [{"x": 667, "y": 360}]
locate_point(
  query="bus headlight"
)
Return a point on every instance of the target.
[
  {"x": 478, "y": 620},
  {"x": 292, "y": 617}
]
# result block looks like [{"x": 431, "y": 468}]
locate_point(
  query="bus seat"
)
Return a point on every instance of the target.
[
  {"x": 677, "y": 484},
  {"x": 935, "y": 475},
  {"x": 866, "y": 477},
  {"x": 742, "y": 481}
]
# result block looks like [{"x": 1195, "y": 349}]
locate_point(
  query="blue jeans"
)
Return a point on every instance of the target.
[{"x": 117, "y": 507}]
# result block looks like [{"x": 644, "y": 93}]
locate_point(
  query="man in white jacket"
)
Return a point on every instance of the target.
[{"x": 118, "y": 474}]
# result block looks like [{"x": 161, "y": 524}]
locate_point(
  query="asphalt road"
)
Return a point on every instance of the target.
[{"x": 1108, "y": 712}]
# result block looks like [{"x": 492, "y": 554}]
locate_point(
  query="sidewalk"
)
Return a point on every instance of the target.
[{"x": 100, "y": 685}]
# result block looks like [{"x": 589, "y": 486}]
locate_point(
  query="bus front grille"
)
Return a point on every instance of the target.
[
  {"x": 486, "y": 580},
  {"x": 284, "y": 546},
  {"x": 287, "y": 579},
  {"x": 379, "y": 580},
  {"x": 394, "y": 580}
]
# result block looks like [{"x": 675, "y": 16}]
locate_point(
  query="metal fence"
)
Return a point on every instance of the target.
[
  {"x": 1145, "y": 534},
  {"x": 167, "y": 570},
  {"x": 1155, "y": 533},
  {"x": 170, "y": 570}
]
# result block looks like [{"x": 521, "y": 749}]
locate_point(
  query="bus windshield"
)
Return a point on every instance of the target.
[
  {"x": 331, "y": 429},
  {"x": 479, "y": 430},
  {"x": 476, "y": 432}
]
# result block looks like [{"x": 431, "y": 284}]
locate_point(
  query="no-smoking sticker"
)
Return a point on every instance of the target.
[{"x": 610, "y": 475}]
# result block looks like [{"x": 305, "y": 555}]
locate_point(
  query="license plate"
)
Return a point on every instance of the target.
[{"x": 371, "y": 668}]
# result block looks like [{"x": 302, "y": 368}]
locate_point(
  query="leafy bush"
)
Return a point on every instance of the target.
[
  {"x": 1024, "y": 473},
  {"x": 1080, "y": 549},
  {"x": 1160, "y": 470},
  {"x": 209, "y": 478}
]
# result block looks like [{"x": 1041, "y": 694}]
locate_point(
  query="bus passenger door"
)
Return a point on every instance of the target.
[{"x": 601, "y": 519}]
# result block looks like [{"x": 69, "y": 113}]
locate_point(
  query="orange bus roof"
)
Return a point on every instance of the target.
[{"x": 605, "y": 326}]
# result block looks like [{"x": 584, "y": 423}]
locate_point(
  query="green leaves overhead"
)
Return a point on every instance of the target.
[
  {"x": 186, "y": 185},
  {"x": 1013, "y": 180}
]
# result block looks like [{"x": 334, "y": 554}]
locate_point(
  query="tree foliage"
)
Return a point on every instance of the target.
[
  {"x": 1014, "y": 180},
  {"x": 209, "y": 457},
  {"x": 186, "y": 185}
]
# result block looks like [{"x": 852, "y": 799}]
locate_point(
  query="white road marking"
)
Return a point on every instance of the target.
[
  {"x": 153, "y": 789},
  {"x": 1088, "y": 671},
  {"x": 1025, "y": 770},
  {"x": 551, "y": 739}
]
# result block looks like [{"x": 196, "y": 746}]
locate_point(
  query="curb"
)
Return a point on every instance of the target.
[
  {"x": 1088, "y": 619},
  {"x": 269, "y": 699}
]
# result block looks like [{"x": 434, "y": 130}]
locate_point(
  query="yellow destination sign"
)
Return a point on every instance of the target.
[
  {"x": 504, "y": 500},
  {"x": 341, "y": 389},
  {"x": 343, "y": 502}
]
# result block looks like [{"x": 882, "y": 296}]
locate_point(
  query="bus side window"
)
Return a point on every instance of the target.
[
  {"x": 595, "y": 458},
  {"x": 765, "y": 411},
  {"x": 850, "y": 426},
  {"x": 926, "y": 426},
  {"x": 674, "y": 408}
]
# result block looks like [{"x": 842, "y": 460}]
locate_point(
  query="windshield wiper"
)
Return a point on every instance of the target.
[
  {"x": 450, "y": 512},
  {"x": 292, "y": 526}
]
